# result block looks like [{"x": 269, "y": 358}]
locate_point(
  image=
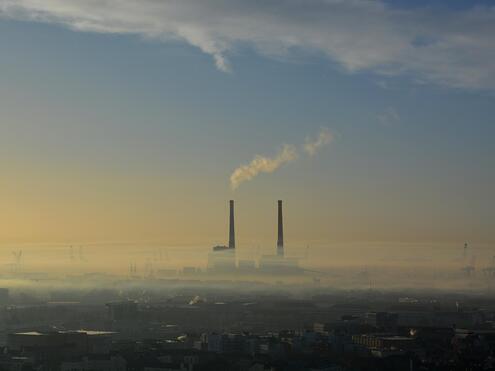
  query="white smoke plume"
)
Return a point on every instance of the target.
[
  {"x": 262, "y": 164},
  {"x": 311, "y": 146},
  {"x": 288, "y": 153}
]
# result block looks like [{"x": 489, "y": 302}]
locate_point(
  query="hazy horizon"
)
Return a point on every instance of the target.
[{"x": 136, "y": 123}]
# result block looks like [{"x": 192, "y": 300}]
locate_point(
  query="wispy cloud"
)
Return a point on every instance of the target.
[
  {"x": 287, "y": 154},
  {"x": 389, "y": 117},
  {"x": 262, "y": 164},
  {"x": 312, "y": 145},
  {"x": 448, "y": 47}
]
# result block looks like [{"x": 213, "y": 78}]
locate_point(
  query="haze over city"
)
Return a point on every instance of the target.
[{"x": 247, "y": 185}]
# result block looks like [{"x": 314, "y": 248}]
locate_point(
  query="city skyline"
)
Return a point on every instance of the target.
[{"x": 247, "y": 185}]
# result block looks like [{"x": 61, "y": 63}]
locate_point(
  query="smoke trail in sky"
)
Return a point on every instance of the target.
[
  {"x": 262, "y": 164},
  {"x": 288, "y": 153},
  {"x": 311, "y": 146}
]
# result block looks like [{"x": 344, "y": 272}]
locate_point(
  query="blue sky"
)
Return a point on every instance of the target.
[{"x": 94, "y": 97}]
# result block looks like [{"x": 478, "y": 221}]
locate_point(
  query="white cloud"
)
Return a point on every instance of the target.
[
  {"x": 311, "y": 146},
  {"x": 262, "y": 164},
  {"x": 446, "y": 47},
  {"x": 389, "y": 117}
]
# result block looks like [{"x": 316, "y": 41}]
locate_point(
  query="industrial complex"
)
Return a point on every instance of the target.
[{"x": 223, "y": 259}]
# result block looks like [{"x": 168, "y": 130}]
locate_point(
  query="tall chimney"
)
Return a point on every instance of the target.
[
  {"x": 231, "y": 226},
  {"x": 280, "y": 240}
]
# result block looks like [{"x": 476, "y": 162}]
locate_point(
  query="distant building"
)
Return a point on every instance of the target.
[
  {"x": 49, "y": 346},
  {"x": 226, "y": 343},
  {"x": 279, "y": 265},
  {"x": 189, "y": 271},
  {"x": 107, "y": 363},
  {"x": 16, "y": 363},
  {"x": 222, "y": 261},
  {"x": 382, "y": 320},
  {"x": 468, "y": 319},
  {"x": 383, "y": 342},
  {"x": 123, "y": 311},
  {"x": 166, "y": 272},
  {"x": 246, "y": 266},
  {"x": 4, "y": 295}
]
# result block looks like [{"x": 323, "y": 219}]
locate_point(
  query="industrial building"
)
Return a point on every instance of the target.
[
  {"x": 279, "y": 263},
  {"x": 222, "y": 259},
  {"x": 57, "y": 344}
]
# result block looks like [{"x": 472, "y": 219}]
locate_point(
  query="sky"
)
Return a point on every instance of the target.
[{"x": 137, "y": 121}]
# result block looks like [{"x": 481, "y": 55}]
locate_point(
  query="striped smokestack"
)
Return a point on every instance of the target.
[
  {"x": 231, "y": 226},
  {"x": 280, "y": 240}
]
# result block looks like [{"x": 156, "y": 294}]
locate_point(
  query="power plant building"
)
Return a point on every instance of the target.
[
  {"x": 222, "y": 259},
  {"x": 279, "y": 263}
]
